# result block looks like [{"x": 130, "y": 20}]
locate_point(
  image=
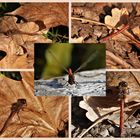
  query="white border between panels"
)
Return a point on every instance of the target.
[
  {"x": 70, "y": 22},
  {"x": 106, "y": 1},
  {"x": 122, "y": 70},
  {"x": 17, "y": 70},
  {"x": 67, "y": 138},
  {"x": 97, "y": 1},
  {"x": 70, "y": 109},
  {"x": 38, "y": 1}
]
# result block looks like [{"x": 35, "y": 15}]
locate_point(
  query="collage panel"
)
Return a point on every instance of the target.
[
  {"x": 116, "y": 24},
  {"x": 115, "y": 115},
  {"x": 19, "y": 30},
  {"x": 69, "y": 88},
  {"x": 24, "y": 115},
  {"x": 70, "y": 69}
]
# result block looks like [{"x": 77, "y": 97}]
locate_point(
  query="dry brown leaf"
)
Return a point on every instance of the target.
[
  {"x": 115, "y": 20},
  {"x": 42, "y": 117},
  {"x": 10, "y": 23},
  {"x": 99, "y": 106},
  {"x": 134, "y": 60},
  {"x": 19, "y": 34},
  {"x": 52, "y": 14},
  {"x": 112, "y": 113},
  {"x": 18, "y": 56}
]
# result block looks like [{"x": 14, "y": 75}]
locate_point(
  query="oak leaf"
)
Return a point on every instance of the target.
[
  {"x": 98, "y": 107},
  {"x": 37, "y": 21},
  {"x": 42, "y": 117}
]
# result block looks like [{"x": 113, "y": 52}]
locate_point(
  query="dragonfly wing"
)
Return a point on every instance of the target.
[
  {"x": 57, "y": 60},
  {"x": 91, "y": 57}
]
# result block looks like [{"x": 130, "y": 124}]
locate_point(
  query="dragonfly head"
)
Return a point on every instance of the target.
[
  {"x": 123, "y": 84},
  {"x": 22, "y": 101}
]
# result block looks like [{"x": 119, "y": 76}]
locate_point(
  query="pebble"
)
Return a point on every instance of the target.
[{"x": 104, "y": 133}]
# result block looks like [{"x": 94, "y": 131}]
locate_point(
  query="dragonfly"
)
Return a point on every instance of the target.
[
  {"x": 123, "y": 91},
  {"x": 15, "y": 108},
  {"x": 71, "y": 76}
]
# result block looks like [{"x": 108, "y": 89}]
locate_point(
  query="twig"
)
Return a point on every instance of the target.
[
  {"x": 92, "y": 21},
  {"x": 102, "y": 117},
  {"x": 118, "y": 60},
  {"x": 114, "y": 34},
  {"x": 108, "y": 61},
  {"x": 121, "y": 31}
]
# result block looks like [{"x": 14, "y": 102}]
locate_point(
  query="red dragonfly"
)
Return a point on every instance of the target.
[
  {"x": 123, "y": 91},
  {"x": 71, "y": 77},
  {"x": 15, "y": 108}
]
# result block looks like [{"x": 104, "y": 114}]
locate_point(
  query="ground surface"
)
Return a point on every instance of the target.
[{"x": 87, "y": 83}]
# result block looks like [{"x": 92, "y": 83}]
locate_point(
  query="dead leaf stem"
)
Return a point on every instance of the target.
[
  {"x": 91, "y": 21},
  {"x": 114, "y": 34},
  {"x": 119, "y": 31}
]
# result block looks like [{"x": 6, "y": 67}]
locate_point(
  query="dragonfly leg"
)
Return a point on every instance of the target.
[
  {"x": 76, "y": 83},
  {"x": 18, "y": 117},
  {"x": 66, "y": 84}
]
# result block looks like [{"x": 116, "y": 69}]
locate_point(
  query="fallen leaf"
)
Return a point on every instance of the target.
[
  {"x": 38, "y": 20},
  {"x": 42, "y": 117},
  {"x": 116, "y": 16},
  {"x": 51, "y": 14},
  {"x": 98, "y": 107},
  {"x": 17, "y": 56},
  {"x": 117, "y": 20}
]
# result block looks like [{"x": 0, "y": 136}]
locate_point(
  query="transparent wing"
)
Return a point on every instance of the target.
[
  {"x": 91, "y": 57},
  {"x": 57, "y": 60}
]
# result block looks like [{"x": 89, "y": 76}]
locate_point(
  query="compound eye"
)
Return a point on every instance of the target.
[
  {"x": 23, "y": 101},
  {"x": 123, "y": 84}
]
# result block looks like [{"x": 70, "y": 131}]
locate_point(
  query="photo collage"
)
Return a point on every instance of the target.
[{"x": 69, "y": 70}]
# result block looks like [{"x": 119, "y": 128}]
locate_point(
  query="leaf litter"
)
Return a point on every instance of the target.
[
  {"x": 104, "y": 112},
  {"x": 116, "y": 24},
  {"x": 20, "y": 30},
  {"x": 40, "y": 117}
]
